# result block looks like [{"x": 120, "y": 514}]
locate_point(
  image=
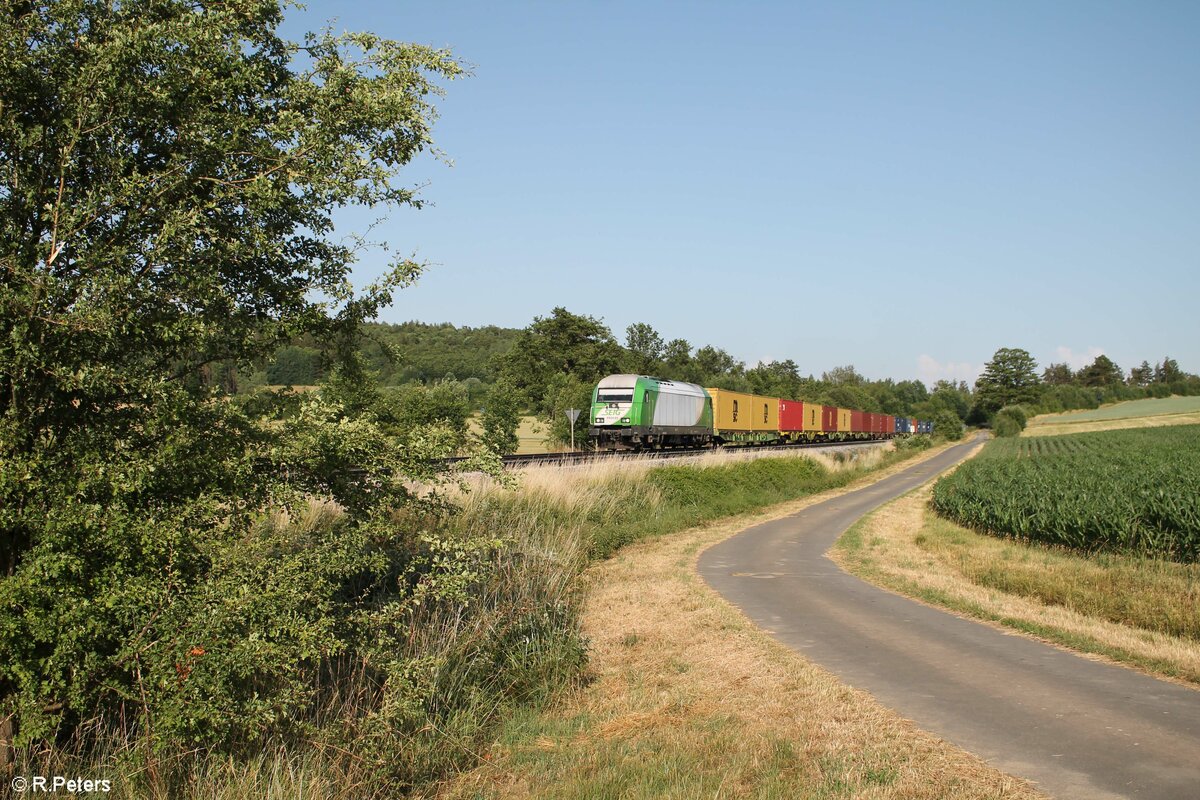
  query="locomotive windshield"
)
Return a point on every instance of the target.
[{"x": 614, "y": 397}]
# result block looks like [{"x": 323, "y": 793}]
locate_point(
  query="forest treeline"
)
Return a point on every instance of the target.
[{"x": 552, "y": 364}]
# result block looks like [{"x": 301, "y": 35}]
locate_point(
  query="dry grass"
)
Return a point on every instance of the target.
[
  {"x": 581, "y": 488},
  {"x": 687, "y": 698},
  {"x": 1058, "y": 596}
]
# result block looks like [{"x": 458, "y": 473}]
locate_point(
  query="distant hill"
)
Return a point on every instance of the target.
[
  {"x": 429, "y": 352},
  {"x": 424, "y": 352}
]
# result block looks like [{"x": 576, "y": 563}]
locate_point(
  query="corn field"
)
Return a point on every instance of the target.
[{"x": 1134, "y": 491}]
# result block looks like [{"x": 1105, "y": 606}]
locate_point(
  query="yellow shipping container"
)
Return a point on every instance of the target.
[
  {"x": 812, "y": 417},
  {"x": 844, "y": 420},
  {"x": 766, "y": 414},
  {"x": 745, "y": 417},
  {"x": 732, "y": 411}
]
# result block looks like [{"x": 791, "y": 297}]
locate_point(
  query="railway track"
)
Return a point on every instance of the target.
[
  {"x": 573, "y": 459},
  {"x": 570, "y": 459}
]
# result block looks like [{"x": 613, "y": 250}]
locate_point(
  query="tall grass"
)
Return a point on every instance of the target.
[{"x": 509, "y": 642}]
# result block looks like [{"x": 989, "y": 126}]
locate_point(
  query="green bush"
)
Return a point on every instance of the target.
[
  {"x": 205, "y": 608},
  {"x": 1005, "y": 427},
  {"x": 947, "y": 425},
  {"x": 1009, "y": 421},
  {"x": 1017, "y": 413}
]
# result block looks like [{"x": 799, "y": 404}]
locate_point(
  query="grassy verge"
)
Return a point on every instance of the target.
[
  {"x": 686, "y": 698},
  {"x": 1140, "y": 612}
]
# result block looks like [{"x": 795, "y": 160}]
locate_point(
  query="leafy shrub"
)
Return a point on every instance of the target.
[
  {"x": 947, "y": 425},
  {"x": 1006, "y": 426},
  {"x": 1009, "y": 421},
  {"x": 205, "y": 608},
  {"x": 1016, "y": 413}
]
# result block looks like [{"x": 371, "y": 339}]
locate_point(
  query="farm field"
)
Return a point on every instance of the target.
[
  {"x": 1132, "y": 414},
  {"x": 1128, "y": 491}
]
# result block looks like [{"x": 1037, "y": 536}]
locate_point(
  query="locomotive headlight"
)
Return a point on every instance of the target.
[{"x": 624, "y": 419}]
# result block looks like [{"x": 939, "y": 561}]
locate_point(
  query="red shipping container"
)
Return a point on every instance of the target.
[
  {"x": 858, "y": 422},
  {"x": 829, "y": 419},
  {"x": 791, "y": 415},
  {"x": 889, "y": 424}
]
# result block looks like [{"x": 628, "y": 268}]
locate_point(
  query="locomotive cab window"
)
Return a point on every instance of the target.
[{"x": 614, "y": 397}]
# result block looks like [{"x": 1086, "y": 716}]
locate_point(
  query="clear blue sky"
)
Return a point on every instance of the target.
[{"x": 902, "y": 186}]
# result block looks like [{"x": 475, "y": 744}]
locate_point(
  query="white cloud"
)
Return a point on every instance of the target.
[
  {"x": 930, "y": 370},
  {"x": 1076, "y": 361}
]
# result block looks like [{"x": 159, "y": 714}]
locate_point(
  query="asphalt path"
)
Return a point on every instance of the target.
[{"x": 1077, "y": 728}]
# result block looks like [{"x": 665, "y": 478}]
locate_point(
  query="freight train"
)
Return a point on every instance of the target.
[{"x": 638, "y": 412}]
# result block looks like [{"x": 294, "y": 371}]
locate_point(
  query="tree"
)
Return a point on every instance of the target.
[
  {"x": 561, "y": 344},
  {"x": 645, "y": 348},
  {"x": 294, "y": 366},
  {"x": 413, "y": 408},
  {"x": 910, "y": 394},
  {"x": 501, "y": 418},
  {"x": 563, "y": 393},
  {"x": 950, "y": 395},
  {"x": 947, "y": 424},
  {"x": 848, "y": 396},
  {"x": 712, "y": 366},
  {"x": 1141, "y": 375},
  {"x": 1101, "y": 372},
  {"x": 1058, "y": 375},
  {"x": 677, "y": 359},
  {"x": 1010, "y": 378},
  {"x": 844, "y": 375},
  {"x": 775, "y": 379},
  {"x": 149, "y": 232},
  {"x": 169, "y": 176},
  {"x": 1168, "y": 371}
]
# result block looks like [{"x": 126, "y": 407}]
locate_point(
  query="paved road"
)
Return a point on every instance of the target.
[{"x": 1077, "y": 728}]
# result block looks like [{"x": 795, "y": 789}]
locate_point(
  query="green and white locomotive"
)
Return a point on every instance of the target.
[{"x": 640, "y": 412}]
